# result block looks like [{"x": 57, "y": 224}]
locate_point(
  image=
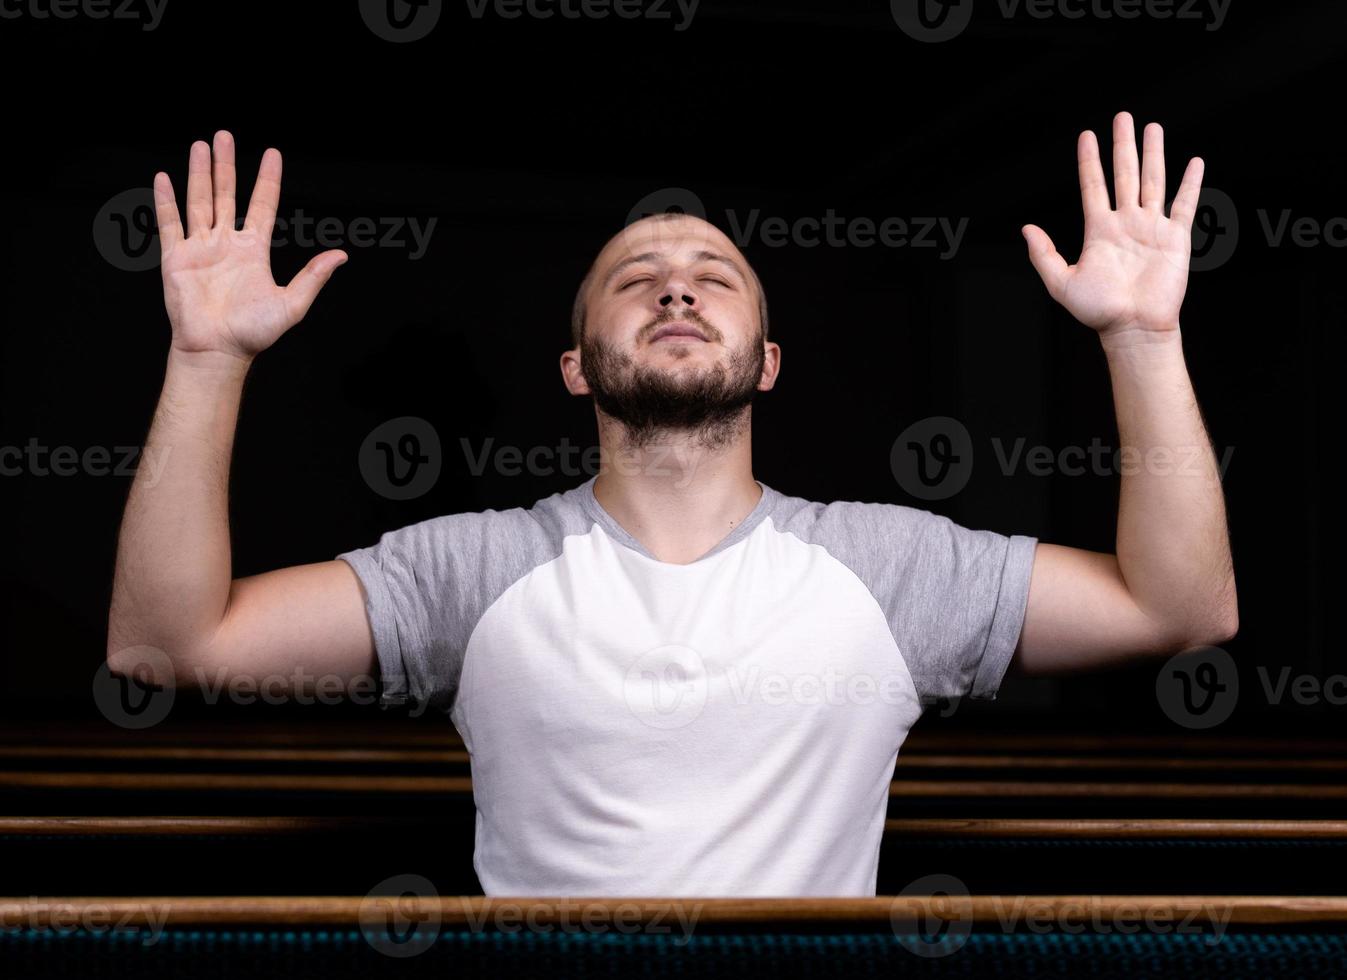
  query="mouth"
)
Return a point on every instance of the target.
[{"x": 682, "y": 332}]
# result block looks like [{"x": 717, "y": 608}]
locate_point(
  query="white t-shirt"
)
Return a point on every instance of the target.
[{"x": 727, "y": 727}]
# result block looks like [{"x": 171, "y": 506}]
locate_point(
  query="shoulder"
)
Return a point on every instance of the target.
[
  {"x": 852, "y": 522},
  {"x": 897, "y": 547},
  {"x": 490, "y": 546}
]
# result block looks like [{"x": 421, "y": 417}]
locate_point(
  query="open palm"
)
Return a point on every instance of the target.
[
  {"x": 218, "y": 286},
  {"x": 1133, "y": 267}
]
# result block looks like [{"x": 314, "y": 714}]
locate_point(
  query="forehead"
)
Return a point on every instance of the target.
[{"x": 672, "y": 238}]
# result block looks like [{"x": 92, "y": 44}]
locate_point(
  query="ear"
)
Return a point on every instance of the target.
[
  {"x": 572, "y": 372},
  {"x": 771, "y": 365}
]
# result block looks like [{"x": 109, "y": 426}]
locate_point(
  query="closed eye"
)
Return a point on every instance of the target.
[{"x": 715, "y": 279}]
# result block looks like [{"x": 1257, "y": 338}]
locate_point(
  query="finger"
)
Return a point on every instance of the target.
[
  {"x": 1185, "y": 202},
  {"x": 224, "y": 179},
  {"x": 303, "y": 289},
  {"x": 266, "y": 197},
  {"x": 166, "y": 213},
  {"x": 1153, "y": 167},
  {"x": 200, "y": 211},
  {"x": 1125, "y": 179},
  {"x": 1093, "y": 189},
  {"x": 1052, "y": 268}
]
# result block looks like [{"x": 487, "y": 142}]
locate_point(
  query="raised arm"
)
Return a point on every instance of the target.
[
  {"x": 173, "y": 589},
  {"x": 1171, "y": 584}
]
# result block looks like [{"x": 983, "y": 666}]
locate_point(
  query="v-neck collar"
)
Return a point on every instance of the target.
[{"x": 622, "y": 536}]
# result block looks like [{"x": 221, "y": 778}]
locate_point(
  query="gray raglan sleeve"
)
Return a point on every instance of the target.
[
  {"x": 954, "y": 597},
  {"x": 424, "y": 586}
]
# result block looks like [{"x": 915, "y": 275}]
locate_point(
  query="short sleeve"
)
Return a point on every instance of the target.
[
  {"x": 954, "y": 597},
  {"x": 423, "y": 594}
]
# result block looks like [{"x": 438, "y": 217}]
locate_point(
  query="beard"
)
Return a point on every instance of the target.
[{"x": 709, "y": 407}]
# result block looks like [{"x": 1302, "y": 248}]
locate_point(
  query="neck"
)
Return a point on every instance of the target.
[{"x": 675, "y": 494}]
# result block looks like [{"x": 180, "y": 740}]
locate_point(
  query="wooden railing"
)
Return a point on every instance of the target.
[{"x": 637, "y": 911}]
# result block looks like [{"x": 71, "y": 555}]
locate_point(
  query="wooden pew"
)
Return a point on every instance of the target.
[
  {"x": 251, "y": 766},
  {"x": 332, "y": 854}
]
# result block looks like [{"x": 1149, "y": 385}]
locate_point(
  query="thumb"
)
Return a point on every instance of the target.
[
  {"x": 1052, "y": 268},
  {"x": 303, "y": 289}
]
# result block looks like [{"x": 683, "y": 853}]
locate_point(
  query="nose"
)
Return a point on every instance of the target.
[{"x": 678, "y": 296}]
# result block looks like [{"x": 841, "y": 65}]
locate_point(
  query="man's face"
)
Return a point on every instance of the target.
[{"x": 672, "y": 338}]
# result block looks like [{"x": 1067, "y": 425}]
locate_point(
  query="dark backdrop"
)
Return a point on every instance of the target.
[{"x": 529, "y": 140}]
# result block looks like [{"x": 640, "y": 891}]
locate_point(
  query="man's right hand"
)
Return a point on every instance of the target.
[{"x": 218, "y": 286}]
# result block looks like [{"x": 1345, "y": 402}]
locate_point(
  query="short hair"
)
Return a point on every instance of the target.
[{"x": 578, "y": 311}]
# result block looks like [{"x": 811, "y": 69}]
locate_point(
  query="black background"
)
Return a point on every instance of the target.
[{"x": 529, "y": 141}]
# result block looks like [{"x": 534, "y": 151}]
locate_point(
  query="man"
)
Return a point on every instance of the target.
[{"x": 674, "y": 679}]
